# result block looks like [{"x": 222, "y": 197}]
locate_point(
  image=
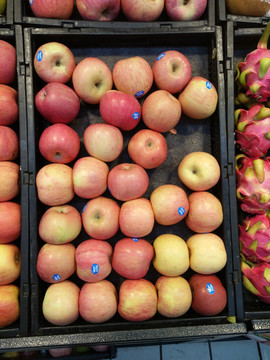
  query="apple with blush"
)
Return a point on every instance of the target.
[
  {"x": 9, "y": 180},
  {"x": 10, "y": 221},
  {"x": 10, "y": 263},
  {"x": 9, "y": 304},
  {"x": 52, "y": 8},
  {"x": 142, "y": 10},
  {"x": 60, "y": 352},
  {"x": 106, "y": 10},
  {"x": 179, "y": 10},
  {"x": 9, "y": 110},
  {"x": 7, "y": 62},
  {"x": 9, "y": 143}
]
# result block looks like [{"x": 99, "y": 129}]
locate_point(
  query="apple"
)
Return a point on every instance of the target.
[
  {"x": 56, "y": 263},
  {"x": 199, "y": 98},
  {"x": 9, "y": 304},
  {"x": 57, "y": 103},
  {"x": 103, "y": 141},
  {"x": 9, "y": 180},
  {"x": 209, "y": 297},
  {"x": 142, "y": 10},
  {"x": 179, "y": 10},
  {"x": 133, "y": 75},
  {"x": 10, "y": 263},
  {"x": 101, "y": 348},
  {"x": 171, "y": 255},
  {"x": 127, "y": 181},
  {"x": 205, "y": 212},
  {"x": 54, "y": 184},
  {"x": 60, "y": 224},
  {"x": 107, "y": 10},
  {"x": 10, "y": 221},
  {"x": 7, "y": 62},
  {"x": 136, "y": 218},
  {"x": 132, "y": 257},
  {"x": 199, "y": 171},
  {"x": 60, "y": 352},
  {"x": 90, "y": 177},
  {"x": 52, "y": 8},
  {"x": 148, "y": 148},
  {"x": 170, "y": 204},
  {"x": 54, "y": 62},
  {"x": 59, "y": 143},
  {"x": 91, "y": 79},
  {"x": 161, "y": 111},
  {"x": 9, "y": 143},
  {"x": 93, "y": 259},
  {"x": 120, "y": 109},
  {"x": 9, "y": 110},
  {"x": 137, "y": 300},
  {"x": 174, "y": 296},
  {"x": 3, "y": 4},
  {"x": 172, "y": 71},
  {"x": 100, "y": 218},
  {"x": 98, "y": 301},
  {"x": 60, "y": 305}
]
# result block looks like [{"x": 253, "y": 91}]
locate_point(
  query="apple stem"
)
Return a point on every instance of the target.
[{"x": 173, "y": 131}]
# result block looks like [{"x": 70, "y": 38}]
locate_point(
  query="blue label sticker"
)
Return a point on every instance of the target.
[
  {"x": 139, "y": 93},
  {"x": 135, "y": 239},
  {"x": 84, "y": 208},
  {"x": 39, "y": 55},
  {"x": 208, "y": 85},
  {"x": 136, "y": 115},
  {"x": 210, "y": 288},
  {"x": 31, "y": 2},
  {"x": 160, "y": 56},
  {"x": 181, "y": 211},
  {"x": 95, "y": 268},
  {"x": 56, "y": 277}
]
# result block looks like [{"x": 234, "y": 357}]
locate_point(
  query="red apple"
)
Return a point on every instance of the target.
[
  {"x": 10, "y": 263},
  {"x": 100, "y": 218},
  {"x": 205, "y": 212},
  {"x": 10, "y": 221},
  {"x": 57, "y": 103},
  {"x": 9, "y": 143},
  {"x": 127, "y": 181},
  {"x": 7, "y": 62},
  {"x": 137, "y": 300},
  {"x": 133, "y": 75},
  {"x": 9, "y": 180},
  {"x": 52, "y": 8},
  {"x": 136, "y": 218},
  {"x": 9, "y": 110},
  {"x": 179, "y": 10},
  {"x": 132, "y": 257},
  {"x": 120, "y": 109},
  {"x": 59, "y": 143},
  {"x": 199, "y": 98},
  {"x": 9, "y": 304},
  {"x": 60, "y": 352},
  {"x": 103, "y": 141},
  {"x": 105, "y": 10},
  {"x": 142, "y": 10},
  {"x": 209, "y": 296},
  {"x": 90, "y": 177},
  {"x": 161, "y": 111},
  {"x": 93, "y": 259},
  {"x": 172, "y": 71}
]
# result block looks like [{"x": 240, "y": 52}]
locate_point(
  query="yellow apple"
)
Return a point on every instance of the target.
[
  {"x": 10, "y": 263},
  {"x": 9, "y": 304},
  {"x": 2, "y": 6}
]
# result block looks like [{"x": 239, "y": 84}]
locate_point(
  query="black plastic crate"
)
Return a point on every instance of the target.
[
  {"x": 24, "y": 15},
  {"x": 20, "y": 327},
  {"x": 203, "y": 47}
]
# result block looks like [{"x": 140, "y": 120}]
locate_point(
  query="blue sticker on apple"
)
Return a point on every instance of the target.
[
  {"x": 181, "y": 211},
  {"x": 136, "y": 115},
  {"x": 39, "y": 55},
  {"x": 139, "y": 93},
  {"x": 56, "y": 277},
  {"x": 95, "y": 269},
  {"x": 84, "y": 208},
  {"x": 160, "y": 56},
  {"x": 135, "y": 239},
  {"x": 31, "y": 2},
  {"x": 208, "y": 85},
  {"x": 210, "y": 288}
]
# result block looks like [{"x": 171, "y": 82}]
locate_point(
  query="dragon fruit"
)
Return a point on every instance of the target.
[
  {"x": 254, "y": 238},
  {"x": 253, "y": 74},
  {"x": 256, "y": 279},
  {"x": 253, "y": 130},
  {"x": 253, "y": 183}
]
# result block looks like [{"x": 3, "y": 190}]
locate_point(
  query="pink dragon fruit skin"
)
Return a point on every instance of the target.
[
  {"x": 254, "y": 238},
  {"x": 253, "y": 183},
  {"x": 253, "y": 130}
]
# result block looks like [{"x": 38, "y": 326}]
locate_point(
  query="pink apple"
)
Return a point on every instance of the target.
[
  {"x": 56, "y": 263},
  {"x": 142, "y": 10},
  {"x": 103, "y": 141},
  {"x": 107, "y": 10},
  {"x": 9, "y": 143},
  {"x": 60, "y": 304},
  {"x": 199, "y": 98},
  {"x": 60, "y": 352},
  {"x": 9, "y": 180},
  {"x": 137, "y": 300},
  {"x": 100, "y": 218},
  {"x": 52, "y": 8},
  {"x": 98, "y": 301},
  {"x": 133, "y": 75},
  {"x": 127, "y": 181},
  {"x": 9, "y": 305},
  {"x": 132, "y": 257},
  {"x": 9, "y": 110},
  {"x": 120, "y": 109},
  {"x": 57, "y": 103},
  {"x": 54, "y": 62},
  {"x": 10, "y": 263},
  {"x": 54, "y": 184},
  {"x": 148, "y": 148},
  {"x": 7, "y": 62},
  {"x": 180, "y": 10},
  {"x": 59, "y": 143},
  {"x": 205, "y": 212},
  {"x": 93, "y": 259},
  {"x": 10, "y": 221},
  {"x": 170, "y": 204},
  {"x": 91, "y": 79},
  {"x": 172, "y": 71},
  {"x": 136, "y": 218},
  {"x": 161, "y": 111},
  {"x": 90, "y": 177}
]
